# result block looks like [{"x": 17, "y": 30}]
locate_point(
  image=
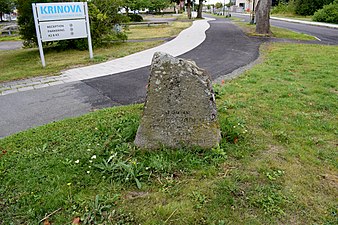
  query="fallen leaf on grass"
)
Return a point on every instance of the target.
[
  {"x": 46, "y": 222},
  {"x": 76, "y": 220},
  {"x": 135, "y": 194}
]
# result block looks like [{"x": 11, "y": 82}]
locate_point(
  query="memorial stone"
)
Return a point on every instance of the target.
[{"x": 180, "y": 108}]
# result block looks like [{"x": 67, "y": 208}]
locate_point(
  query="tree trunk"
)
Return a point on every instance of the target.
[
  {"x": 181, "y": 6},
  {"x": 189, "y": 9},
  {"x": 200, "y": 7},
  {"x": 263, "y": 17}
]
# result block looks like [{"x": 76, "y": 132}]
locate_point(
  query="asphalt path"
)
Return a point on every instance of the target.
[
  {"x": 327, "y": 36},
  {"x": 225, "y": 49},
  {"x": 10, "y": 45}
]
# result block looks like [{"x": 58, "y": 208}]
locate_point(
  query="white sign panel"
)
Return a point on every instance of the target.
[
  {"x": 61, "y": 21},
  {"x": 62, "y": 30},
  {"x": 60, "y": 11}
]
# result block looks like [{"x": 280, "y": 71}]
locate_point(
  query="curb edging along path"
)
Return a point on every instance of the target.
[
  {"x": 319, "y": 24},
  {"x": 334, "y": 26},
  {"x": 187, "y": 40}
]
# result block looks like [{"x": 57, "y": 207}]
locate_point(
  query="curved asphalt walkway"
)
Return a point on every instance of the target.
[{"x": 187, "y": 40}]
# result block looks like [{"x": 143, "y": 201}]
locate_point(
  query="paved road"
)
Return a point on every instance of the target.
[
  {"x": 326, "y": 35},
  {"x": 10, "y": 45},
  {"x": 225, "y": 49}
]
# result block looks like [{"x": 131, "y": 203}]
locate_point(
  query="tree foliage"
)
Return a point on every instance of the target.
[
  {"x": 131, "y": 5},
  {"x": 328, "y": 14},
  {"x": 218, "y": 5},
  {"x": 6, "y": 6},
  {"x": 103, "y": 16},
  {"x": 284, "y": 7},
  {"x": 300, "y": 7},
  {"x": 309, "y": 7},
  {"x": 152, "y": 5},
  {"x": 158, "y": 5}
]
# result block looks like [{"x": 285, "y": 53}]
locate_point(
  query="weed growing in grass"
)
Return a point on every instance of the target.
[
  {"x": 232, "y": 128},
  {"x": 119, "y": 170},
  {"x": 218, "y": 91},
  {"x": 225, "y": 106},
  {"x": 100, "y": 212},
  {"x": 274, "y": 174},
  {"x": 199, "y": 199}
]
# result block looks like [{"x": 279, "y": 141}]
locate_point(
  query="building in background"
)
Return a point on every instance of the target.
[{"x": 246, "y": 5}]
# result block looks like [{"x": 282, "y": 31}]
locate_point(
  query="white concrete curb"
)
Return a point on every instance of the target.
[
  {"x": 306, "y": 22},
  {"x": 329, "y": 25},
  {"x": 187, "y": 40}
]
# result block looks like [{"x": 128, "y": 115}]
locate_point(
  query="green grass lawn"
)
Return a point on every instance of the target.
[
  {"x": 293, "y": 16},
  {"x": 26, "y": 63},
  {"x": 276, "y": 164},
  {"x": 157, "y": 31},
  {"x": 10, "y": 38},
  {"x": 276, "y": 31}
]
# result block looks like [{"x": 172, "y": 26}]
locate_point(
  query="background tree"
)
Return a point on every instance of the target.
[
  {"x": 199, "y": 9},
  {"x": 158, "y": 5},
  {"x": 132, "y": 5},
  {"x": 218, "y": 5},
  {"x": 309, "y": 7},
  {"x": 299, "y": 7},
  {"x": 263, "y": 17},
  {"x": 328, "y": 14},
  {"x": 103, "y": 18},
  {"x": 6, "y": 6},
  {"x": 188, "y": 5}
]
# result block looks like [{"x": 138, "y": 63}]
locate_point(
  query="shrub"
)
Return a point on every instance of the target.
[
  {"x": 284, "y": 8},
  {"x": 328, "y": 14},
  {"x": 135, "y": 18},
  {"x": 309, "y": 7}
]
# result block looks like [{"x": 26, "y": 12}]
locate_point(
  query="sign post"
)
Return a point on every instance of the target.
[{"x": 61, "y": 21}]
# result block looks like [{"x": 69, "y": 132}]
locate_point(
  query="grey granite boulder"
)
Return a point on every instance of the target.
[{"x": 180, "y": 107}]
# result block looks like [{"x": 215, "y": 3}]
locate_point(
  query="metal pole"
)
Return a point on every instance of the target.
[
  {"x": 90, "y": 47},
  {"x": 38, "y": 36},
  {"x": 253, "y": 13},
  {"x": 224, "y": 8}
]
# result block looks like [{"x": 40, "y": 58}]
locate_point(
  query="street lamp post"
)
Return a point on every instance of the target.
[
  {"x": 223, "y": 7},
  {"x": 253, "y": 13}
]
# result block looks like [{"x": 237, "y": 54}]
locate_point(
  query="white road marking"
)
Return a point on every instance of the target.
[{"x": 317, "y": 38}]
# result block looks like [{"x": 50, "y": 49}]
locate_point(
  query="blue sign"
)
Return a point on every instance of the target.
[{"x": 60, "y": 11}]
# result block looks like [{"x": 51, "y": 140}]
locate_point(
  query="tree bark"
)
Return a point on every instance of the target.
[
  {"x": 263, "y": 17},
  {"x": 189, "y": 9},
  {"x": 200, "y": 7}
]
